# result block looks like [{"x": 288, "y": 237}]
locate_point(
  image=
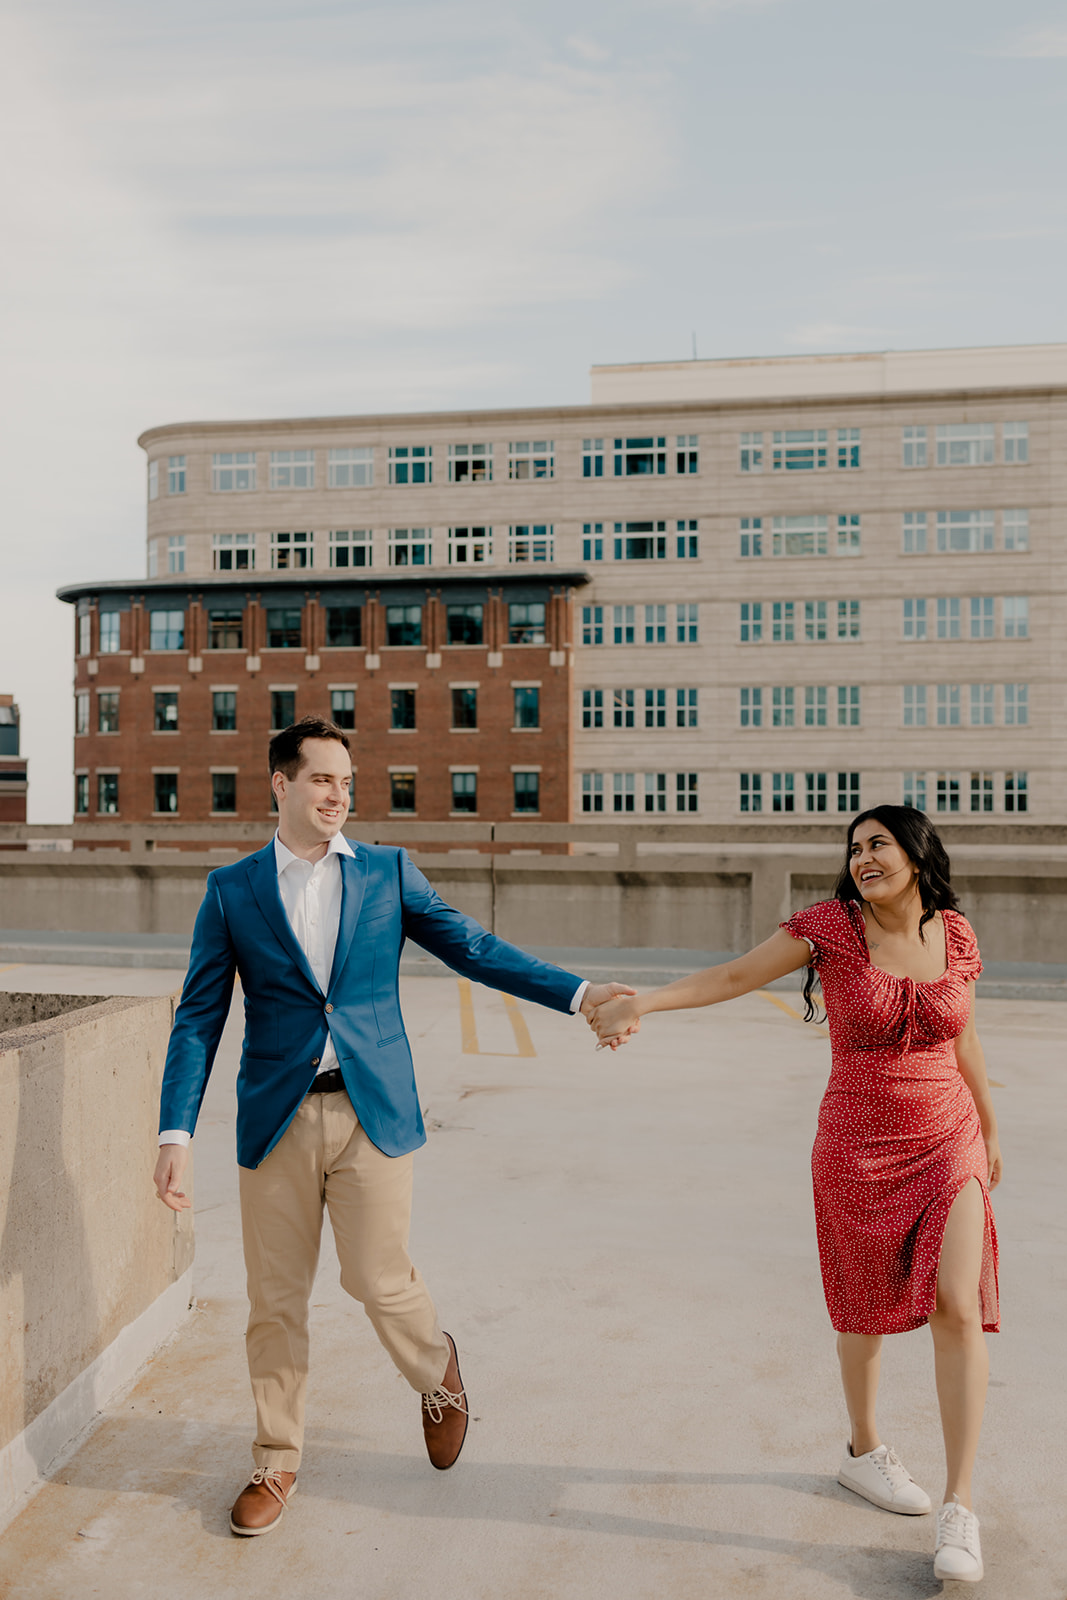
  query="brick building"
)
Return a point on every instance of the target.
[{"x": 13, "y": 772}]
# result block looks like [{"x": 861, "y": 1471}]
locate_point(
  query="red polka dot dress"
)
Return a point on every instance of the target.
[{"x": 898, "y": 1130}]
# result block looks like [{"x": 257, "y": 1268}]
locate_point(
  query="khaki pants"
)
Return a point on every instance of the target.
[{"x": 325, "y": 1158}]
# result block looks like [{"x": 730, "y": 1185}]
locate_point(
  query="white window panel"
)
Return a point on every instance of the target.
[
  {"x": 948, "y": 705},
  {"x": 687, "y": 623},
  {"x": 783, "y": 707},
  {"x": 848, "y": 449},
  {"x": 982, "y": 618},
  {"x": 1016, "y": 616},
  {"x": 970, "y": 531},
  {"x": 1016, "y": 530},
  {"x": 948, "y": 617},
  {"x": 291, "y": 550},
  {"x": 410, "y": 547},
  {"x": 751, "y": 537},
  {"x": 981, "y": 698},
  {"x": 965, "y": 444},
  {"x": 351, "y": 547},
  {"x": 913, "y": 441},
  {"x": 530, "y": 543},
  {"x": 470, "y": 546},
  {"x": 233, "y": 471},
  {"x": 799, "y": 450},
  {"x": 292, "y": 469},
  {"x": 913, "y": 786},
  {"x": 914, "y": 619},
  {"x": 1017, "y": 442},
  {"x": 532, "y": 458},
  {"x": 914, "y": 707},
  {"x": 350, "y": 467},
  {"x": 913, "y": 533},
  {"x": 848, "y": 534},
  {"x": 470, "y": 463},
  {"x": 1016, "y": 705},
  {"x": 751, "y": 452},
  {"x": 751, "y": 708},
  {"x": 800, "y": 536}
]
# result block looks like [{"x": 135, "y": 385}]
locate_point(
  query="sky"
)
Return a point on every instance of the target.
[{"x": 230, "y": 209}]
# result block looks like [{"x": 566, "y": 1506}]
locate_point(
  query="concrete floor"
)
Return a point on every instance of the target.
[{"x": 624, "y": 1249}]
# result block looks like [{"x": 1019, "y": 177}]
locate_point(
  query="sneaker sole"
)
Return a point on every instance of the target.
[
  {"x": 268, "y": 1527},
  {"x": 956, "y": 1577},
  {"x": 885, "y": 1505}
]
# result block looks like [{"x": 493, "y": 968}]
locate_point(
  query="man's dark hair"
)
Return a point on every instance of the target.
[{"x": 285, "y": 747}]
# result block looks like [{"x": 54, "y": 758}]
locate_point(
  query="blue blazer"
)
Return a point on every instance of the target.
[{"x": 242, "y": 928}]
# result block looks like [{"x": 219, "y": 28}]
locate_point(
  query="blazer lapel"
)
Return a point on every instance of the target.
[
  {"x": 353, "y": 886},
  {"x": 263, "y": 881}
]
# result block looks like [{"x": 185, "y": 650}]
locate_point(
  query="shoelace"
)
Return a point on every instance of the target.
[
  {"x": 892, "y": 1468},
  {"x": 436, "y": 1403},
  {"x": 268, "y": 1476},
  {"x": 957, "y": 1526}
]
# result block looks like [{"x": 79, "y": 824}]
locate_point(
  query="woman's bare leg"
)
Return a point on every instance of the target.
[
  {"x": 961, "y": 1358},
  {"x": 860, "y": 1355}
]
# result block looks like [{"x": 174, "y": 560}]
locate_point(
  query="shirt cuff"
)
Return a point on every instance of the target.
[
  {"x": 175, "y": 1136},
  {"x": 579, "y": 996}
]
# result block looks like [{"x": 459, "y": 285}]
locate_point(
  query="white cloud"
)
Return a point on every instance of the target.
[{"x": 1037, "y": 42}]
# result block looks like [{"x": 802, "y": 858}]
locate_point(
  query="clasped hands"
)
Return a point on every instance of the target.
[{"x": 611, "y": 1011}]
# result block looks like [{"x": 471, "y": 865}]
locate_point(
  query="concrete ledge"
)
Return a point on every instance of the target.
[{"x": 24, "y": 1463}]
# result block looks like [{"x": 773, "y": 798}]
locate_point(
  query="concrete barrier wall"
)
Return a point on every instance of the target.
[{"x": 86, "y": 1249}]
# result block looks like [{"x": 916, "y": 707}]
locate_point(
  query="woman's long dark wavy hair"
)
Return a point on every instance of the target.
[{"x": 918, "y": 838}]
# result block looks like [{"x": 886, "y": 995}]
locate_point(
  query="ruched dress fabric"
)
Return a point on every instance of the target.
[{"x": 898, "y": 1133}]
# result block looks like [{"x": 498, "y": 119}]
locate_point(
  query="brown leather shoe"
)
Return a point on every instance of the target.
[
  {"x": 261, "y": 1504},
  {"x": 445, "y": 1416}
]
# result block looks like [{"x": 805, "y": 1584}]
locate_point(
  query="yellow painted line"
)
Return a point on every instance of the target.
[
  {"x": 467, "y": 1028},
  {"x": 12, "y": 965},
  {"x": 790, "y": 1011},
  {"x": 469, "y": 1031},
  {"x": 518, "y": 1027}
]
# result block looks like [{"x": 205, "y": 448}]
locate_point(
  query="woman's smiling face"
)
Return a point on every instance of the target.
[{"x": 880, "y": 868}]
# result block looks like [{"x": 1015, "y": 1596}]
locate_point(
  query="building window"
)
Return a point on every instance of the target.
[
  {"x": 176, "y": 553},
  {"x": 411, "y": 464},
  {"x": 110, "y": 632},
  {"x": 531, "y": 542},
  {"x": 783, "y": 628},
  {"x": 402, "y": 709},
  {"x": 783, "y": 796},
  {"x": 848, "y": 619},
  {"x": 592, "y": 625},
  {"x": 352, "y": 467},
  {"x": 526, "y": 622},
  {"x": 751, "y": 621},
  {"x": 914, "y": 448},
  {"x": 343, "y": 707},
  {"x": 532, "y": 459},
  {"x": 948, "y": 791},
  {"x": 107, "y": 712},
  {"x": 981, "y": 617},
  {"x": 655, "y": 708},
  {"x": 622, "y": 701},
  {"x": 81, "y": 794},
  {"x": 527, "y": 791},
  {"x": 914, "y": 619},
  {"x": 233, "y": 471},
  {"x": 685, "y": 708},
  {"x": 640, "y": 541},
  {"x": 981, "y": 791},
  {"x": 153, "y": 480},
  {"x": 913, "y": 533},
  {"x": 527, "y": 706},
  {"x": 687, "y": 623},
  {"x": 687, "y": 543},
  {"x": 592, "y": 791},
  {"x": 403, "y": 625},
  {"x": 655, "y": 791},
  {"x": 687, "y": 456},
  {"x": 1016, "y": 530},
  {"x": 175, "y": 474},
  {"x": 815, "y": 698},
  {"x": 783, "y": 707},
  {"x": 410, "y": 547},
  {"x": 948, "y": 618},
  {"x": 592, "y": 708},
  {"x": 815, "y": 620},
  {"x": 815, "y": 791},
  {"x": 464, "y": 624},
  {"x": 948, "y": 705},
  {"x": 290, "y": 550},
  {"x": 751, "y": 791},
  {"x": 344, "y": 627},
  {"x": 848, "y": 705},
  {"x": 592, "y": 541},
  {"x": 1015, "y": 791},
  {"x": 970, "y": 531},
  {"x": 165, "y": 793},
  {"x": 686, "y": 794},
  {"x": 233, "y": 552},
  {"x": 1016, "y": 705},
  {"x": 465, "y": 791},
  {"x": 1016, "y": 617},
  {"x": 81, "y": 712},
  {"x": 225, "y": 630},
  {"x": 1016, "y": 442},
  {"x": 593, "y": 461},
  {"x": 85, "y": 633},
  {"x": 655, "y": 624},
  {"x": 848, "y": 534},
  {"x": 751, "y": 711},
  {"x": 224, "y": 710},
  {"x": 224, "y": 792},
  {"x": 799, "y": 536},
  {"x": 282, "y": 708},
  {"x": 622, "y": 624},
  {"x": 914, "y": 708},
  {"x": 469, "y": 546},
  {"x": 622, "y": 796},
  {"x": 640, "y": 458},
  {"x": 470, "y": 463},
  {"x": 402, "y": 792},
  {"x": 848, "y": 791},
  {"x": 166, "y": 630},
  {"x": 292, "y": 469},
  {"x": 751, "y": 537},
  {"x": 914, "y": 790},
  {"x": 464, "y": 708},
  {"x": 981, "y": 705},
  {"x": 283, "y": 628},
  {"x": 799, "y": 450},
  {"x": 965, "y": 444},
  {"x": 165, "y": 711},
  {"x": 752, "y": 452},
  {"x": 848, "y": 449},
  {"x": 351, "y": 547},
  {"x": 107, "y": 793}
]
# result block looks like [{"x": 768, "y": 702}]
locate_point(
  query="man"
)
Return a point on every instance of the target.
[{"x": 327, "y": 1107}]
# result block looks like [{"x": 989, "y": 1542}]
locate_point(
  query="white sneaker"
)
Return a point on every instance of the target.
[
  {"x": 958, "y": 1555},
  {"x": 881, "y": 1477}
]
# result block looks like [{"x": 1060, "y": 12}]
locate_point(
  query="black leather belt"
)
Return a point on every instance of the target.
[{"x": 328, "y": 1082}]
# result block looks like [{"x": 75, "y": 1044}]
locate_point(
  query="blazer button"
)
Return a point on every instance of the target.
[
  {"x": 314, "y": 1061},
  {"x": 329, "y": 1008}
]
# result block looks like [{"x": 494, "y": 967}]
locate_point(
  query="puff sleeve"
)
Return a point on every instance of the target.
[{"x": 966, "y": 959}]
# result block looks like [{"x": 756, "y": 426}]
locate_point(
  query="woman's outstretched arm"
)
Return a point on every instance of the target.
[{"x": 775, "y": 957}]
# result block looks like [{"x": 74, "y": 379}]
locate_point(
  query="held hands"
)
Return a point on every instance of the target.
[
  {"x": 170, "y": 1168},
  {"x": 611, "y": 1011}
]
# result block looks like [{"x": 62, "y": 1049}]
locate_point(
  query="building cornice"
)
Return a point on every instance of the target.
[{"x": 355, "y": 578}]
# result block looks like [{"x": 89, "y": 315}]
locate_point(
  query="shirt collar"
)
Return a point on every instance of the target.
[{"x": 284, "y": 857}]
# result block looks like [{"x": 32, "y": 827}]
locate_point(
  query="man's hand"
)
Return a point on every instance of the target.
[
  {"x": 170, "y": 1168},
  {"x": 596, "y": 995}
]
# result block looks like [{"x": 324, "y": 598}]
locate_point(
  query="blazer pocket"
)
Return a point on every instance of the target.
[
  {"x": 377, "y": 908},
  {"x": 393, "y": 1037}
]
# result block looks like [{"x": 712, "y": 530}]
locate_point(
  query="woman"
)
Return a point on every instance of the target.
[{"x": 906, "y": 1150}]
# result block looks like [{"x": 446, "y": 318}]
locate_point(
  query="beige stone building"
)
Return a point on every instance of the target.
[{"x": 812, "y": 583}]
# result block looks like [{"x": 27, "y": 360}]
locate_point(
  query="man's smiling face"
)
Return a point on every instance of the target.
[{"x": 313, "y": 805}]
